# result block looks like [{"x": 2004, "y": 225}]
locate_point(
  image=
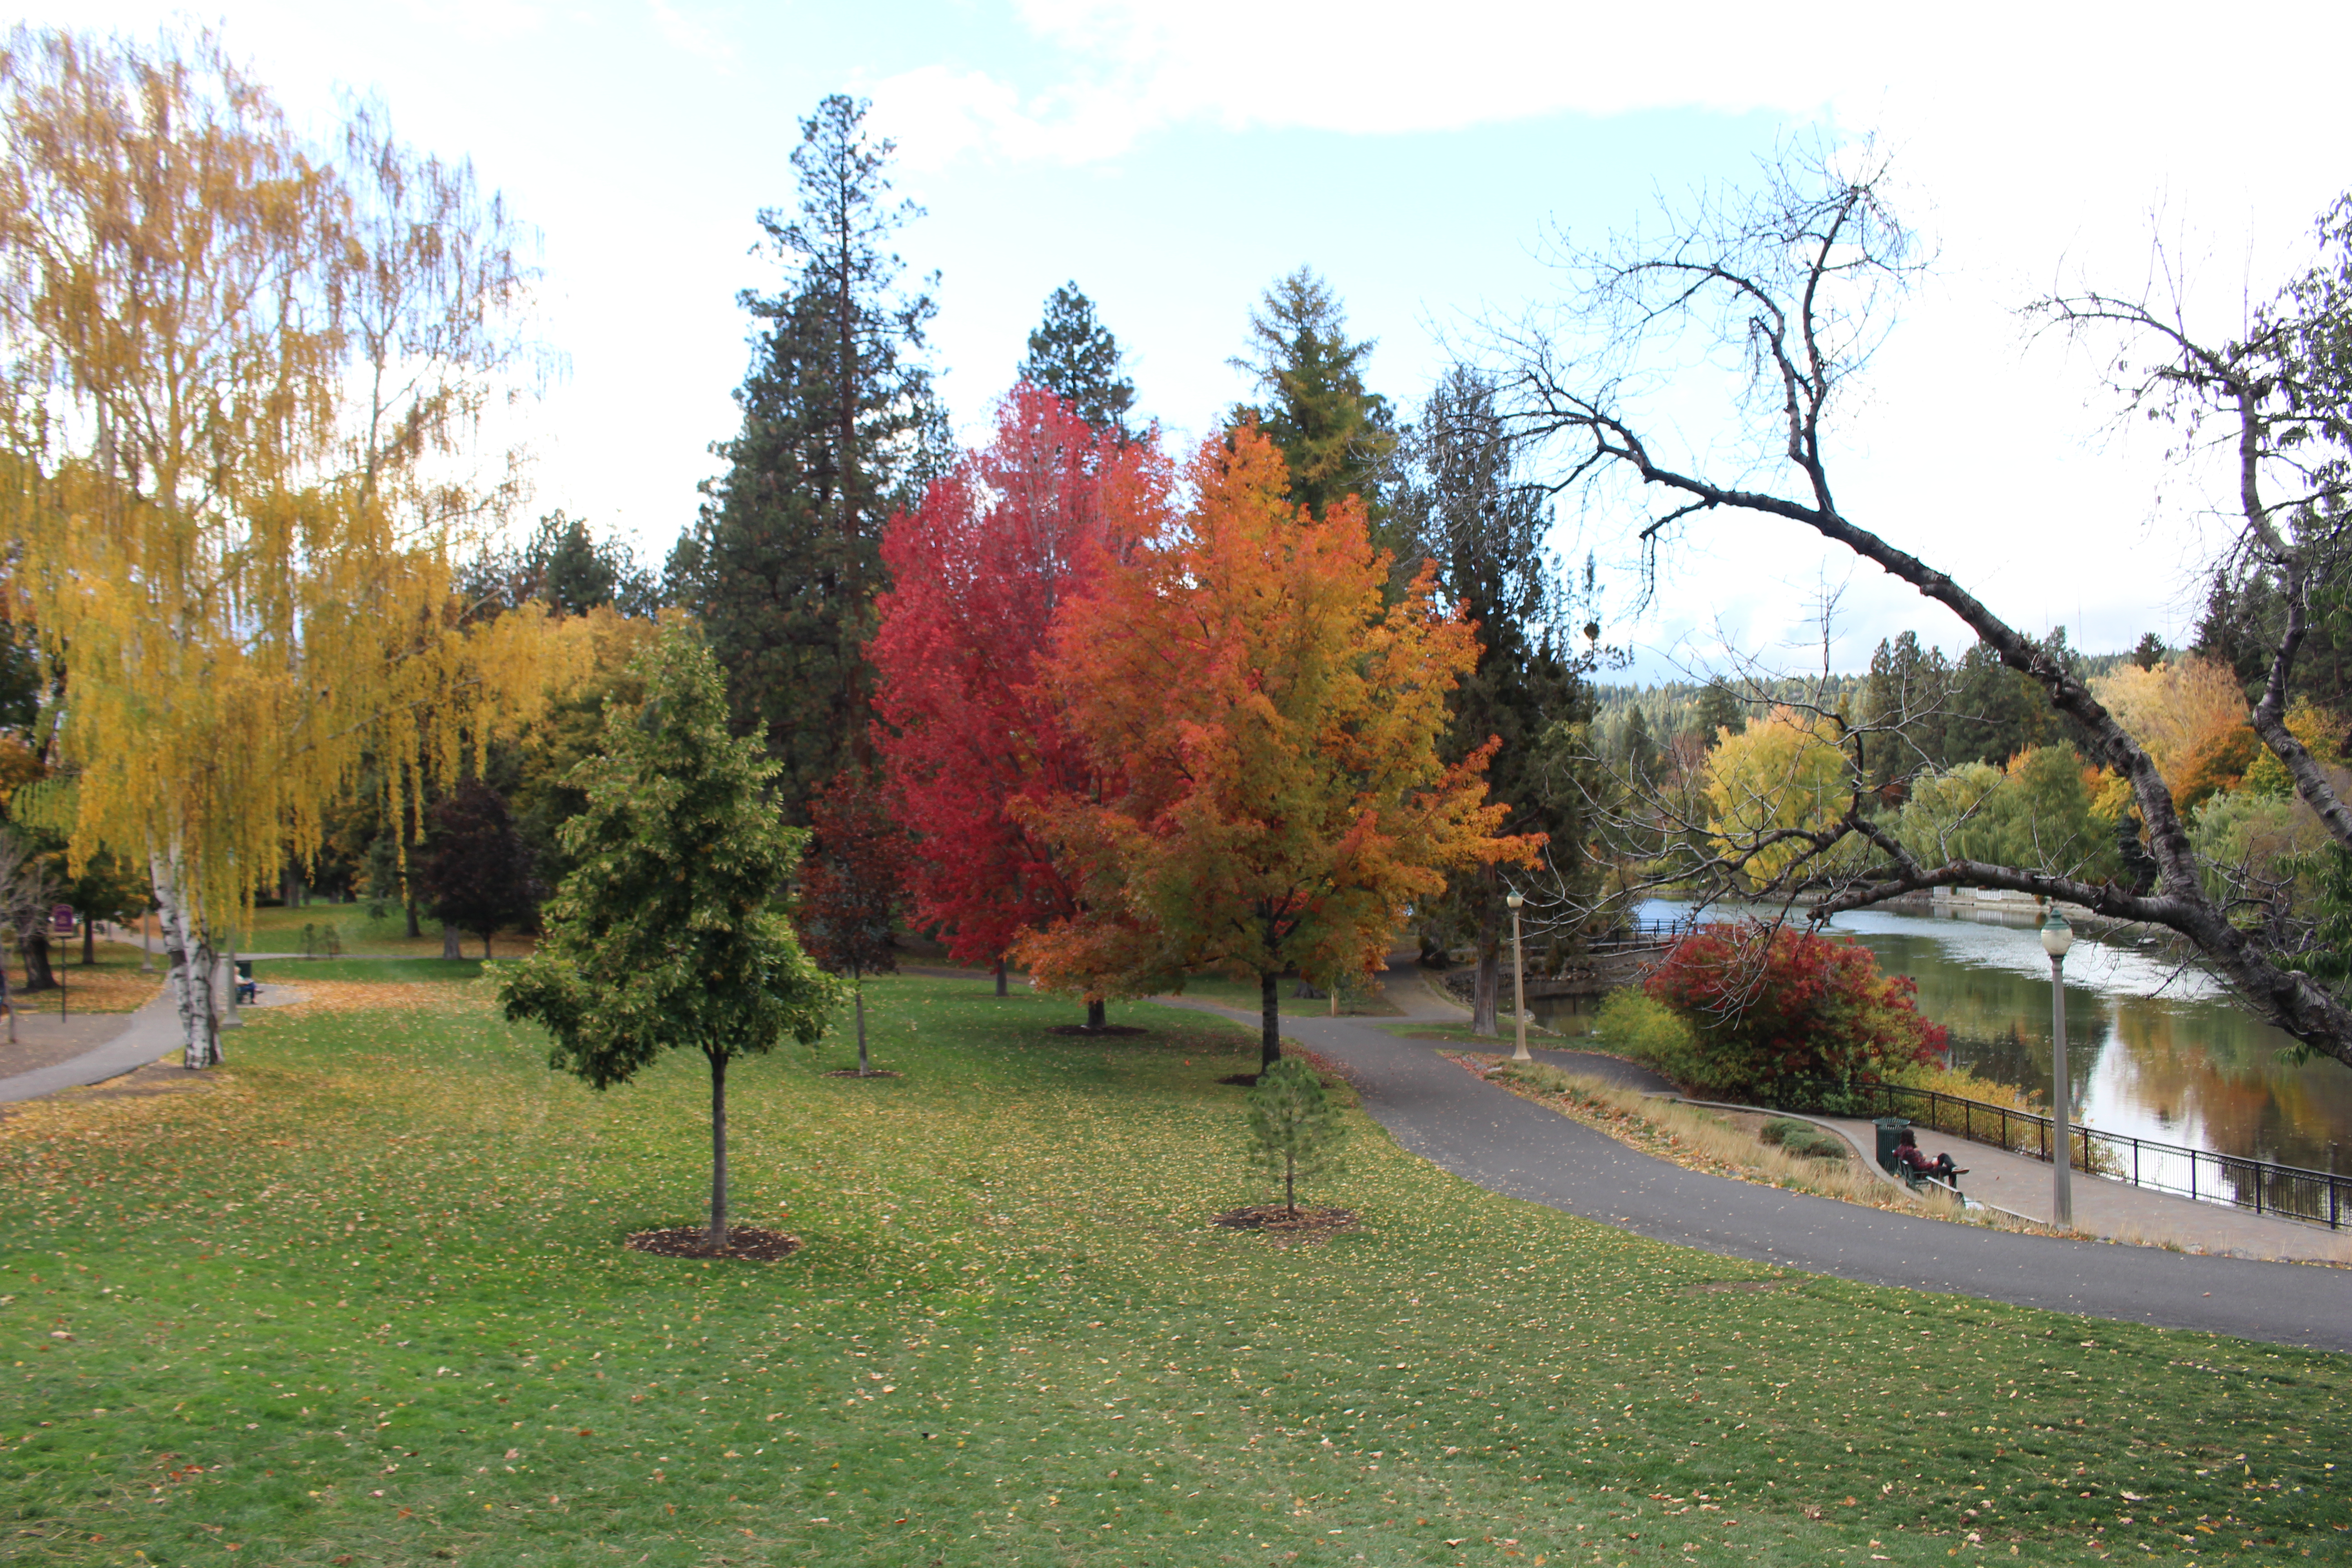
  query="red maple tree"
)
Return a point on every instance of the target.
[
  {"x": 1271, "y": 722},
  {"x": 967, "y": 728}
]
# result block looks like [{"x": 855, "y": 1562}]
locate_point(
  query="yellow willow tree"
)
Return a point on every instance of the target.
[{"x": 244, "y": 383}]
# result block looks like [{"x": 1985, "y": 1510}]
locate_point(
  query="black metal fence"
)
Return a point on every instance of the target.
[{"x": 2266, "y": 1186}]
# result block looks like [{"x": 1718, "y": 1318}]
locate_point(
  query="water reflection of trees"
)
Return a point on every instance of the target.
[
  {"x": 2230, "y": 1074},
  {"x": 2201, "y": 1068}
]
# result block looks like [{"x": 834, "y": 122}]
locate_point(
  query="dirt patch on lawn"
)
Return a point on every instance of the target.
[
  {"x": 747, "y": 1242},
  {"x": 1283, "y": 1227}
]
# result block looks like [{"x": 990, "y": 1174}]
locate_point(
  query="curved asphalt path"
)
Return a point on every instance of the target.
[{"x": 1486, "y": 1134}]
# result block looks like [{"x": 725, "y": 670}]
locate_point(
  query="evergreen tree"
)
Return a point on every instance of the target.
[
  {"x": 1635, "y": 748},
  {"x": 1996, "y": 713},
  {"x": 840, "y": 428},
  {"x": 563, "y": 566},
  {"x": 1905, "y": 692},
  {"x": 1295, "y": 1130},
  {"x": 1074, "y": 356},
  {"x": 2148, "y": 652},
  {"x": 669, "y": 934},
  {"x": 1461, "y": 508},
  {"x": 1336, "y": 438},
  {"x": 1716, "y": 709}
]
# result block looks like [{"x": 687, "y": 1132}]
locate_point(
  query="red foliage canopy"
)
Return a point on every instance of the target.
[
  {"x": 967, "y": 727},
  {"x": 1789, "y": 1014}
]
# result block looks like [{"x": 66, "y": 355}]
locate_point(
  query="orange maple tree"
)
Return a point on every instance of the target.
[{"x": 1273, "y": 726}]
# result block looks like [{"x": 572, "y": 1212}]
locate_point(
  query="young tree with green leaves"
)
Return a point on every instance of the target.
[
  {"x": 670, "y": 933},
  {"x": 1295, "y": 1130},
  {"x": 1336, "y": 438},
  {"x": 1074, "y": 356},
  {"x": 840, "y": 429}
]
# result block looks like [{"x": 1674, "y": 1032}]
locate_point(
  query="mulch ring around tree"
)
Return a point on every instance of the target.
[
  {"x": 853, "y": 1072},
  {"x": 747, "y": 1242},
  {"x": 1108, "y": 1031},
  {"x": 1285, "y": 1228}
]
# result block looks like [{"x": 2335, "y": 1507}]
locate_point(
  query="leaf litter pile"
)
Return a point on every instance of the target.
[{"x": 367, "y": 1301}]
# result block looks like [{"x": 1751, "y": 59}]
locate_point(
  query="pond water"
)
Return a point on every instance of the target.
[{"x": 2154, "y": 1050}]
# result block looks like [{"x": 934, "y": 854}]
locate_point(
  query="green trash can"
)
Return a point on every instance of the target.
[{"x": 1890, "y": 1133}]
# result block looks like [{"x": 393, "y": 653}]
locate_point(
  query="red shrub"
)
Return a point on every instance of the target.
[{"x": 1787, "y": 1016}]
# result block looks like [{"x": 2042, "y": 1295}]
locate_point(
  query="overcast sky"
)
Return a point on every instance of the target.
[{"x": 1174, "y": 159}]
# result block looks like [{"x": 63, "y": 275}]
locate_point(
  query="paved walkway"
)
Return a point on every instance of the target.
[
  {"x": 149, "y": 1034},
  {"x": 1490, "y": 1136}
]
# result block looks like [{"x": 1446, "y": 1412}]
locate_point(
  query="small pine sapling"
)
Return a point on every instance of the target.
[{"x": 1295, "y": 1130}]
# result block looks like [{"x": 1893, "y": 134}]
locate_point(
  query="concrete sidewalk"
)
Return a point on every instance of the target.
[
  {"x": 2114, "y": 1210},
  {"x": 149, "y": 1034}
]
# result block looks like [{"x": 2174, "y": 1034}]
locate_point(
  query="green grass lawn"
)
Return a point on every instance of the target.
[
  {"x": 280, "y": 930},
  {"x": 362, "y": 1300}
]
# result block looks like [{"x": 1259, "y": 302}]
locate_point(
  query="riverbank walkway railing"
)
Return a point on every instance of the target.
[{"x": 2266, "y": 1186}]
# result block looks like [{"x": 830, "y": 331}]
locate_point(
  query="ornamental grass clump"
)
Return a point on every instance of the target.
[{"x": 1295, "y": 1130}]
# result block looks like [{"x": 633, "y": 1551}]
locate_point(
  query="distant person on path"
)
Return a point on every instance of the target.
[{"x": 1907, "y": 1152}]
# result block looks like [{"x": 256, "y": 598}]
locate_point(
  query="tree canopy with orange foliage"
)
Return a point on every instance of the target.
[
  {"x": 1273, "y": 725},
  {"x": 1012, "y": 531}
]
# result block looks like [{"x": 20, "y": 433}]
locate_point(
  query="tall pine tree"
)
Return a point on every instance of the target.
[
  {"x": 1460, "y": 505},
  {"x": 1074, "y": 356},
  {"x": 1336, "y": 438},
  {"x": 840, "y": 428}
]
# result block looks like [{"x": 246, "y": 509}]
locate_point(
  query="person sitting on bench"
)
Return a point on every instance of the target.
[{"x": 1912, "y": 1158}]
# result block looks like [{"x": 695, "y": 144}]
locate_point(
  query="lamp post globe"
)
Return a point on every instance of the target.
[
  {"x": 1519, "y": 976},
  {"x": 2057, "y": 937}
]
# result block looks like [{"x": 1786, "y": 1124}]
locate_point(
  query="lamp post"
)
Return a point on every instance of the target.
[
  {"x": 2057, "y": 936},
  {"x": 1518, "y": 979}
]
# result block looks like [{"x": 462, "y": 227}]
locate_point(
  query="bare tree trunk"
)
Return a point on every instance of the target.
[
  {"x": 1000, "y": 976},
  {"x": 717, "y": 1148},
  {"x": 1097, "y": 1013},
  {"x": 1486, "y": 992},
  {"x": 38, "y": 975},
  {"x": 449, "y": 948},
  {"x": 864, "y": 1066},
  {"x": 88, "y": 941},
  {"x": 1269, "y": 1009},
  {"x": 227, "y": 982},
  {"x": 416, "y": 929},
  {"x": 146, "y": 941}
]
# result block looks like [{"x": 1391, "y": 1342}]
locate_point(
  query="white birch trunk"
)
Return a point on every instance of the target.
[{"x": 190, "y": 958}]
